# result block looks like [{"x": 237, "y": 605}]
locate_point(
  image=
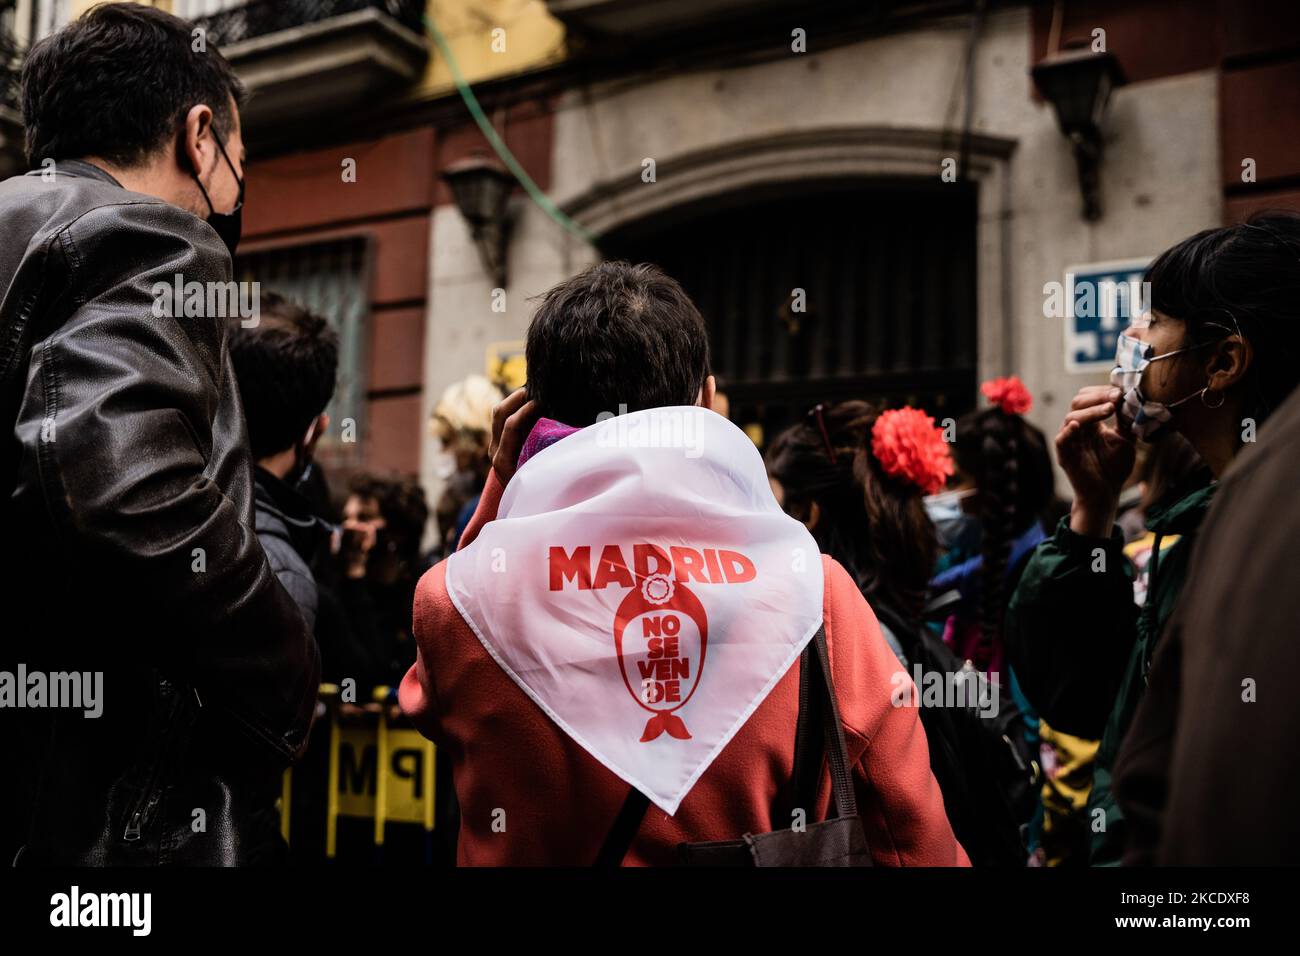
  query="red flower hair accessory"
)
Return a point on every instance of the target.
[
  {"x": 908, "y": 445},
  {"x": 1009, "y": 394}
]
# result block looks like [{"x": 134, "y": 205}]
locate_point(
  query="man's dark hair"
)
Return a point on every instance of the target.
[
  {"x": 286, "y": 366},
  {"x": 117, "y": 82},
  {"x": 617, "y": 334}
]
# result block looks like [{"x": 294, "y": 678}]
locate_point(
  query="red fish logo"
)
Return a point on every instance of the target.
[{"x": 661, "y": 632}]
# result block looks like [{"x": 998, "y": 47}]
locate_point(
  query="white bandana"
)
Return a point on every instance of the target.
[{"x": 641, "y": 584}]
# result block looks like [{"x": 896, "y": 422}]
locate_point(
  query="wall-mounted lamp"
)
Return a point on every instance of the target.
[
  {"x": 481, "y": 187},
  {"x": 1078, "y": 84}
]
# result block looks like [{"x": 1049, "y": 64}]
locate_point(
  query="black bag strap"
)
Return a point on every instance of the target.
[
  {"x": 818, "y": 710},
  {"x": 808, "y": 742},
  {"x": 624, "y": 831},
  {"x": 842, "y": 795}
]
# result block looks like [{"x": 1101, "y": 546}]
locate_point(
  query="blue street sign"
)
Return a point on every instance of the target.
[{"x": 1101, "y": 299}]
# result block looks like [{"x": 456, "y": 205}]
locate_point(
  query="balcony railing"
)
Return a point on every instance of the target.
[
  {"x": 260, "y": 18},
  {"x": 305, "y": 58},
  {"x": 636, "y": 18}
]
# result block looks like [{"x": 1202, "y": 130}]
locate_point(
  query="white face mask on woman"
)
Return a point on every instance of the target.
[
  {"x": 948, "y": 518},
  {"x": 1132, "y": 356},
  {"x": 946, "y": 504}
]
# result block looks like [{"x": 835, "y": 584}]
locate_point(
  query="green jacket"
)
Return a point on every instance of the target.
[{"x": 1081, "y": 648}]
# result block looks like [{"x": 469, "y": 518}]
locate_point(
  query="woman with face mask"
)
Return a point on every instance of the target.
[{"x": 1216, "y": 352}]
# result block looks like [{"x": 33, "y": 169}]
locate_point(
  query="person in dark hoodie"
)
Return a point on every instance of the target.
[{"x": 286, "y": 365}]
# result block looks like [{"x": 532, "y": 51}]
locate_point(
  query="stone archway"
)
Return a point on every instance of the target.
[{"x": 750, "y": 172}]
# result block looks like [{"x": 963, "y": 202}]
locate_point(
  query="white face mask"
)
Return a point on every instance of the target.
[
  {"x": 946, "y": 504},
  {"x": 444, "y": 465},
  {"x": 1132, "y": 356}
]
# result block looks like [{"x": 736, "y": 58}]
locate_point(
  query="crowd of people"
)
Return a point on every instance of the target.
[
  {"x": 966, "y": 557},
  {"x": 637, "y": 637}
]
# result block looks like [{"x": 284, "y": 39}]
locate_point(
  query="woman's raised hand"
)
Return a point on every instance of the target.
[{"x": 1097, "y": 456}]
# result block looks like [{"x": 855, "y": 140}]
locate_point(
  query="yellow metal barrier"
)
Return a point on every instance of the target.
[
  {"x": 286, "y": 802},
  {"x": 405, "y": 789},
  {"x": 380, "y": 768}
]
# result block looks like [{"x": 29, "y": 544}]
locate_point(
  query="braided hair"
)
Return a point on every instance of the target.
[{"x": 1009, "y": 462}]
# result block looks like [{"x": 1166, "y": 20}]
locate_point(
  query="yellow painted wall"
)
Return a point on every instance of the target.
[{"x": 533, "y": 39}]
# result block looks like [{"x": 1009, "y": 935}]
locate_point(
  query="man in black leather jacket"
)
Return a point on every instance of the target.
[{"x": 125, "y": 477}]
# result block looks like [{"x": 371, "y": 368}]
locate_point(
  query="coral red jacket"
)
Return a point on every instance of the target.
[{"x": 529, "y": 795}]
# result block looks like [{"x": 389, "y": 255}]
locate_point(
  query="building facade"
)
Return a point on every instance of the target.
[{"x": 865, "y": 199}]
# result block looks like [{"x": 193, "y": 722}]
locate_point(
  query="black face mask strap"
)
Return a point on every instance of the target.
[
  {"x": 239, "y": 179},
  {"x": 212, "y": 210}
]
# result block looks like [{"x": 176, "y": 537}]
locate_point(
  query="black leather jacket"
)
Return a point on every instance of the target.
[{"x": 127, "y": 496}]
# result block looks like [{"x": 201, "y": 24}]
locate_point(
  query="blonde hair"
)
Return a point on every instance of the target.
[{"x": 465, "y": 407}]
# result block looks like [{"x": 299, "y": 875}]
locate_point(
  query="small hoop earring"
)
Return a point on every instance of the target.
[{"x": 1222, "y": 398}]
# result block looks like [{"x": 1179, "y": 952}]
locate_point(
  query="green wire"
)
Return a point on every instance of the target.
[{"x": 499, "y": 147}]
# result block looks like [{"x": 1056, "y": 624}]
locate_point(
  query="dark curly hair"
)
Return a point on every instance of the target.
[
  {"x": 405, "y": 511},
  {"x": 873, "y": 524}
]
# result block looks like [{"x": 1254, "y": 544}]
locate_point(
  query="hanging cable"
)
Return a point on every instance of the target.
[
  {"x": 543, "y": 201},
  {"x": 976, "y": 23}
]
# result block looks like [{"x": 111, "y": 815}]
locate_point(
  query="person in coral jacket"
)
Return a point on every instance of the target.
[{"x": 586, "y": 521}]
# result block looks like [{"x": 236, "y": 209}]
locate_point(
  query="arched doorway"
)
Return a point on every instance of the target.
[{"x": 887, "y": 267}]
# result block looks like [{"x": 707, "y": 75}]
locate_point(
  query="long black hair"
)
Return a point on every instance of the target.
[
  {"x": 1008, "y": 459},
  {"x": 873, "y": 524},
  {"x": 1242, "y": 277}
]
